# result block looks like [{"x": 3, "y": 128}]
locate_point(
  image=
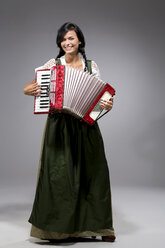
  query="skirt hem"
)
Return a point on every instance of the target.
[{"x": 42, "y": 234}]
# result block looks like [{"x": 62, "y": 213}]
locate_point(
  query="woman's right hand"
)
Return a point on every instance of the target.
[{"x": 32, "y": 89}]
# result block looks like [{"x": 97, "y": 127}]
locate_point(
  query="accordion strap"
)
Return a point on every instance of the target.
[
  {"x": 102, "y": 115},
  {"x": 89, "y": 66},
  {"x": 58, "y": 61}
]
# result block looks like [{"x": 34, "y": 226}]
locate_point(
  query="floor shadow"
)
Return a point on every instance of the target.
[{"x": 66, "y": 242}]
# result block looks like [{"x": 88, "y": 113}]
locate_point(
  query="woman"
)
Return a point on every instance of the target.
[{"x": 73, "y": 197}]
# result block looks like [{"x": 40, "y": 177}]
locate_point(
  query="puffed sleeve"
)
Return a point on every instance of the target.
[
  {"x": 47, "y": 65},
  {"x": 95, "y": 69}
]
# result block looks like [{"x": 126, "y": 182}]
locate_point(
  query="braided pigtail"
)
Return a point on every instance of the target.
[
  {"x": 82, "y": 51},
  {"x": 61, "y": 53}
]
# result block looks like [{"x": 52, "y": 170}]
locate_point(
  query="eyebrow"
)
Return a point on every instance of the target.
[{"x": 69, "y": 37}]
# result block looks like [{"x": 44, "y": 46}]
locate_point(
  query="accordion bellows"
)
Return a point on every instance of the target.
[{"x": 71, "y": 90}]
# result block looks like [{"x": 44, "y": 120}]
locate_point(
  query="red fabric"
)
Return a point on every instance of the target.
[{"x": 57, "y": 87}]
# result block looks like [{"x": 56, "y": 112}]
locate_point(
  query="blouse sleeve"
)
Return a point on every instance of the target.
[
  {"x": 95, "y": 70},
  {"x": 47, "y": 65}
]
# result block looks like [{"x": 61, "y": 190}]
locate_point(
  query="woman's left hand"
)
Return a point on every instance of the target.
[{"x": 107, "y": 105}]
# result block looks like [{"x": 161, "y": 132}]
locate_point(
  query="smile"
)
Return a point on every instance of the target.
[{"x": 68, "y": 48}]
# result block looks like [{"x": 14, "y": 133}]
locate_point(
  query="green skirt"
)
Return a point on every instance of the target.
[{"x": 73, "y": 191}]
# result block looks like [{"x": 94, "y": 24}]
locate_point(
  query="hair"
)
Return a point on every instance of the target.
[{"x": 60, "y": 36}]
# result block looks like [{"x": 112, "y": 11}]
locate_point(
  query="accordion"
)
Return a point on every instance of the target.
[{"x": 72, "y": 91}]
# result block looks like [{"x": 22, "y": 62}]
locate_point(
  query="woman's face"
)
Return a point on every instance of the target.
[{"x": 70, "y": 43}]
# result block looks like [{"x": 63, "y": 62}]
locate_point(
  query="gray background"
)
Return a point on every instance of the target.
[{"x": 126, "y": 39}]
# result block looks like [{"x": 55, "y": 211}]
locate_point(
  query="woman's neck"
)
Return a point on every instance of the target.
[
  {"x": 72, "y": 58},
  {"x": 74, "y": 61}
]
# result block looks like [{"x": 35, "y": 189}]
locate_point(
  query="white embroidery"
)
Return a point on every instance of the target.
[
  {"x": 47, "y": 65},
  {"x": 52, "y": 62},
  {"x": 95, "y": 69}
]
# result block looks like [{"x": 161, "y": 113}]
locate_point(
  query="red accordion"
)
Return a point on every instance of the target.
[{"x": 73, "y": 91}]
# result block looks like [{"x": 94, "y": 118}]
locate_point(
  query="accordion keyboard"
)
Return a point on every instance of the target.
[{"x": 42, "y": 102}]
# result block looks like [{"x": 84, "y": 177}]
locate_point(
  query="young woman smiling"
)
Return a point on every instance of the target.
[{"x": 73, "y": 197}]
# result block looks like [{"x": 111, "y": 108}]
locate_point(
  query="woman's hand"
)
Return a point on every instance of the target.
[
  {"x": 32, "y": 89},
  {"x": 107, "y": 105}
]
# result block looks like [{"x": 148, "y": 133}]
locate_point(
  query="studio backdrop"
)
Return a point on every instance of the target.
[{"x": 126, "y": 39}]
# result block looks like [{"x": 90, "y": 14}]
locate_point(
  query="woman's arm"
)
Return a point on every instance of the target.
[{"x": 32, "y": 89}]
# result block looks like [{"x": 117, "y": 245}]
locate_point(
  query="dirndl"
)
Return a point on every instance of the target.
[{"x": 73, "y": 193}]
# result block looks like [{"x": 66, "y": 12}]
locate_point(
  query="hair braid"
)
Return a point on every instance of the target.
[
  {"x": 61, "y": 53},
  {"x": 82, "y": 51}
]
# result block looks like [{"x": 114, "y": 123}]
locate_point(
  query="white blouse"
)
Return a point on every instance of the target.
[{"x": 52, "y": 62}]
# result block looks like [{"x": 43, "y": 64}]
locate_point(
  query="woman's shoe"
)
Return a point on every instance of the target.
[
  {"x": 110, "y": 238},
  {"x": 60, "y": 240}
]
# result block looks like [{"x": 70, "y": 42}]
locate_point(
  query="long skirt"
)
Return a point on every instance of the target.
[{"x": 73, "y": 197}]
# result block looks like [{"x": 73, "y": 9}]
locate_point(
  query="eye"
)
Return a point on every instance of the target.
[{"x": 71, "y": 38}]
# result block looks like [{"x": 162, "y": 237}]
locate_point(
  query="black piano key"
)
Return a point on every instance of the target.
[
  {"x": 45, "y": 75},
  {"x": 46, "y": 92},
  {"x": 43, "y": 106}
]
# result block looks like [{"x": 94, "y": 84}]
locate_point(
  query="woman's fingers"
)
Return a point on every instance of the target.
[
  {"x": 36, "y": 86},
  {"x": 36, "y": 89},
  {"x": 36, "y": 92},
  {"x": 107, "y": 105},
  {"x": 32, "y": 89}
]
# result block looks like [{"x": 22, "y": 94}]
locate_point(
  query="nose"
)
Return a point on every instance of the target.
[{"x": 67, "y": 42}]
